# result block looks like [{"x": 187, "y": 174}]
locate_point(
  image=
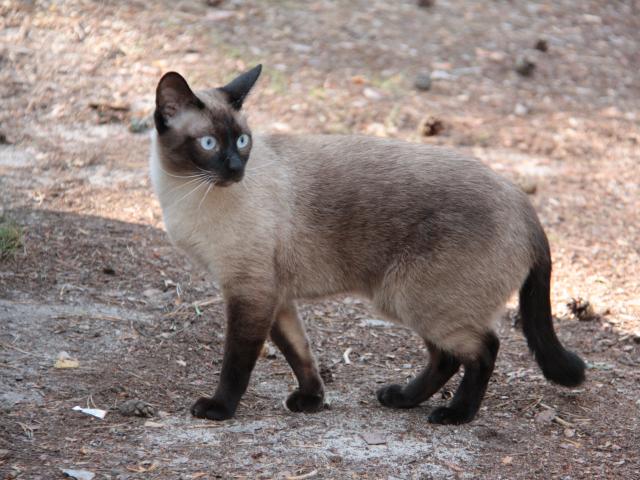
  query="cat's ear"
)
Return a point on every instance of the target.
[
  {"x": 238, "y": 89},
  {"x": 173, "y": 95}
]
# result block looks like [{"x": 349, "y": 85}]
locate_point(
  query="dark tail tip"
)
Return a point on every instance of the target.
[
  {"x": 558, "y": 364},
  {"x": 567, "y": 369}
]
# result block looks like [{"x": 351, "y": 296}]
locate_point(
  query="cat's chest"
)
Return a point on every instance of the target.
[{"x": 220, "y": 234}]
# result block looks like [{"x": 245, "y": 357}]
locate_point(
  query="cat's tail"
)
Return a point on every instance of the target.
[{"x": 558, "y": 364}]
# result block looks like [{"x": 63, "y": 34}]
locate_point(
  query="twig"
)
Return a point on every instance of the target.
[
  {"x": 311, "y": 474},
  {"x": 13, "y": 347},
  {"x": 562, "y": 422},
  {"x": 345, "y": 356},
  {"x": 211, "y": 301},
  {"x": 532, "y": 405}
]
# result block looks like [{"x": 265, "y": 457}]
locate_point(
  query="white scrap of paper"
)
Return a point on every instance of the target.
[
  {"x": 94, "y": 412},
  {"x": 79, "y": 474}
]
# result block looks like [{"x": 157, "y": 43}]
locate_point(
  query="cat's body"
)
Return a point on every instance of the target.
[
  {"x": 436, "y": 240},
  {"x": 344, "y": 226}
]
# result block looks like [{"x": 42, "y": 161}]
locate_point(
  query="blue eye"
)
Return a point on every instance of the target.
[
  {"x": 208, "y": 142},
  {"x": 243, "y": 141}
]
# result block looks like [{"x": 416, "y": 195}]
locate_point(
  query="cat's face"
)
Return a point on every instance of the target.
[{"x": 204, "y": 134}]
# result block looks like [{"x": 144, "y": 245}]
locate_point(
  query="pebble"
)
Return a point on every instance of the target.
[
  {"x": 521, "y": 110},
  {"x": 528, "y": 185},
  {"x": 525, "y": 67},
  {"x": 140, "y": 125},
  {"x": 541, "y": 45},
  {"x": 546, "y": 416},
  {"x": 422, "y": 82},
  {"x": 371, "y": 94}
]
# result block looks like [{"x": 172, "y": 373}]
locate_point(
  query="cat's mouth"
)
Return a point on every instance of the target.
[{"x": 225, "y": 182}]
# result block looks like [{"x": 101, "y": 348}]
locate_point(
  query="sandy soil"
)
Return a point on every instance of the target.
[{"x": 96, "y": 277}]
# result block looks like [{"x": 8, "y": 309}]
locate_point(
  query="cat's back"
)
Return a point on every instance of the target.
[
  {"x": 375, "y": 159},
  {"x": 362, "y": 200},
  {"x": 372, "y": 169}
]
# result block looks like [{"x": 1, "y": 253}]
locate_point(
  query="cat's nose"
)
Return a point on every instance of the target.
[{"x": 235, "y": 164}]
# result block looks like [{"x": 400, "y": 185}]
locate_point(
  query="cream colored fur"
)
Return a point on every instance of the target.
[{"x": 262, "y": 230}]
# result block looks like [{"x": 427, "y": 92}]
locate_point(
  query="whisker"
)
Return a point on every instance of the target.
[
  {"x": 260, "y": 167},
  {"x": 177, "y": 176},
  {"x": 200, "y": 184},
  {"x": 205, "y": 195},
  {"x": 190, "y": 182}
]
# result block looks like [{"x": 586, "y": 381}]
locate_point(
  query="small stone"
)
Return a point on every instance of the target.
[
  {"x": 422, "y": 82},
  {"x": 268, "y": 351},
  {"x": 374, "y": 438},
  {"x": 546, "y": 416},
  {"x": 525, "y": 67},
  {"x": 541, "y": 45},
  {"x": 371, "y": 93},
  {"x": 569, "y": 432},
  {"x": 426, "y": 3},
  {"x": 152, "y": 293},
  {"x": 528, "y": 185},
  {"x": 139, "y": 125},
  {"x": 521, "y": 110}
]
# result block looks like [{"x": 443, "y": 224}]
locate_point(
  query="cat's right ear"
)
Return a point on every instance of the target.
[{"x": 173, "y": 95}]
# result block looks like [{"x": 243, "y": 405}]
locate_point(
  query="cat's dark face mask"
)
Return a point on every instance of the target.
[{"x": 204, "y": 134}]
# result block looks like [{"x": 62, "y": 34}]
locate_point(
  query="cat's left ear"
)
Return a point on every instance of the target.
[
  {"x": 173, "y": 95},
  {"x": 238, "y": 89}
]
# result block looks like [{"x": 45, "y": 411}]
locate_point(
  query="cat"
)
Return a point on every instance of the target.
[{"x": 436, "y": 240}]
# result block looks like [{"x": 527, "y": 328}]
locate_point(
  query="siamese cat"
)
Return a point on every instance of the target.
[{"x": 435, "y": 240}]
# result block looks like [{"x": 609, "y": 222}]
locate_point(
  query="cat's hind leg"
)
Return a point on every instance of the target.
[
  {"x": 289, "y": 336},
  {"x": 442, "y": 366},
  {"x": 477, "y": 371}
]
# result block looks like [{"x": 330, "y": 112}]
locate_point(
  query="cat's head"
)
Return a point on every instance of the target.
[{"x": 204, "y": 133}]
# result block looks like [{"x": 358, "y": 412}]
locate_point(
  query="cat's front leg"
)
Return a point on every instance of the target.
[
  {"x": 248, "y": 323},
  {"x": 289, "y": 335}
]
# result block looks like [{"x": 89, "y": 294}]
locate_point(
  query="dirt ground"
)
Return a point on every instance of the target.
[{"x": 97, "y": 278}]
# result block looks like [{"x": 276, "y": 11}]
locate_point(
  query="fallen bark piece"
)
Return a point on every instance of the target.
[
  {"x": 374, "y": 438},
  {"x": 136, "y": 408}
]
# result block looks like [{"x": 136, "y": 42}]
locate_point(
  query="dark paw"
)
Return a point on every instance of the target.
[
  {"x": 450, "y": 416},
  {"x": 211, "y": 408},
  {"x": 300, "y": 402},
  {"x": 392, "y": 396}
]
